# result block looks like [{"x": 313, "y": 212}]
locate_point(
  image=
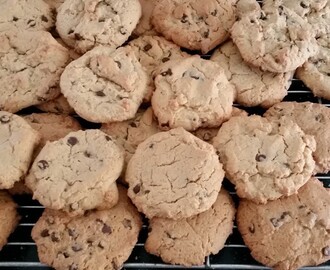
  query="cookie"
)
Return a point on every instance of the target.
[
  {"x": 8, "y": 217},
  {"x": 85, "y": 24},
  {"x": 75, "y": 173},
  {"x": 101, "y": 239},
  {"x": 291, "y": 232},
  {"x": 254, "y": 87},
  {"x": 17, "y": 143},
  {"x": 319, "y": 19},
  {"x": 145, "y": 27},
  {"x": 152, "y": 51},
  {"x": 174, "y": 175},
  {"x": 51, "y": 127},
  {"x": 192, "y": 93},
  {"x": 31, "y": 65},
  {"x": 129, "y": 134},
  {"x": 313, "y": 119},
  {"x": 195, "y": 25},
  {"x": 275, "y": 40},
  {"x": 97, "y": 87},
  {"x": 58, "y": 105},
  {"x": 26, "y": 15},
  {"x": 265, "y": 159},
  {"x": 315, "y": 73},
  {"x": 188, "y": 241}
]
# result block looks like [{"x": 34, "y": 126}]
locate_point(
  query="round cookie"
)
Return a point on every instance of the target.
[
  {"x": 129, "y": 134},
  {"x": 101, "y": 239},
  {"x": 264, "y": 159},
  {"x": 195, "y": 25},
  {"x": 51, "y": 127},
  {"x": 75, "y": 173},
  {"x": 254, "y": 87},
  {"x": 31, "y": 65},
  {"x": 85, "y": 24},
  {"x": 313, "y": 119},
  {"x": 315, "y": 73},
  {"x": 145, "y": 27},
  {"x": 174, "y": 175},
  {"x": 188, "y": 241},
  {"x": 98, "y": 87},
  {"x": 58, "y": 105},
  {"x": 291, "y": 232},
  {"x": 8, "y": 217},
  {"x": 276, "y": 39},
  {"x": 152, "y": 51},
  {"x": 26, "y": 15},
  {"x": 17, "y": 143},
  {"x": 192, "y": 93}
]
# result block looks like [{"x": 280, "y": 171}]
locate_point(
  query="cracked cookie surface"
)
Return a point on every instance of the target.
[
  {"x": 8, "y": 217},
  {"x": 96, "y": 85},
  {"x": 30, "y": 67},
  {"x": 85, "y": 24},
  {"x": 264, "y": 159},
  {"x": 275, "y": 39},
  {"x": 99, "y": 238},
  {"x": 291, "y": 232},
  {"x": 26, "y": 14},
  {"x": 17, "y": 143},
  {"x": 313, "y": 119},
  {"x": 75, "y": 173},
  {"x": 254, "y": 87},
  {"x": 188, "y": 241},
  {"x": 195, "y": 25},
  {"x": 152, "y": 51},
  {"x": 174, "y": 174},
  {"x": 192, "y": 93}
]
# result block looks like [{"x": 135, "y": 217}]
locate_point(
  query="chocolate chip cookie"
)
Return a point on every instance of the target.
[{"x": 145, "y": 27}]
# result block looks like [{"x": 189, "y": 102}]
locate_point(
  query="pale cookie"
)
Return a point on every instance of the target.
[
  {"x": 188, "y": 241},
  {"x": 17, "y": 143},
  {"x": 254, "y": 87},
  {"x": 75, "y": 173},
  {"x": 30, "y": 69},
  {"x": 8, "y": 217},
  {"x": 264, "y": 159},
  {"x": 195, "y": 25},
  {"x": 85, "y": 24},
  {"x": 288, "y": 233},
  {"x": 51, "y": 127},
  {"x": 192, "y": 93},
  {"x": 320, "y": 20},
  {"x": 97, "y": 240},
  {"x": 98, "y": 87},
  {"x": 129, "y": 134},
  {"x": 58, "y": 105},
  {"x": 276, "y": 40},
  {"x": 315, "y": 73},
  {"x": 26, "y": 15},
  {"x": 145, "y": 27},
  {"x": 174, "y": 175},
  {"x": 313, "y": 119},
  {"x": 152, "y": 51}
]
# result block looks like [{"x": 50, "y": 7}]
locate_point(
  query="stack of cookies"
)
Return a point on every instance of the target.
[{"x": 112, "y": 110}]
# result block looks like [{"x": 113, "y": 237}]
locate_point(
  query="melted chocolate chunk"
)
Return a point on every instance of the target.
[
  {"x": 72, "y": 141},
  {"x": 70, "y": 31},
  {"x": 15, "y": 19},
  {"x": 87, "y": 154},
  {"x": 167, "y": 72},
  {"x": 214, "y": 12},
  {"x": 44, "y": 233},
  {"x": 151, "y": 146},
  {"x": 100, "y": 94},
  {"x": 133, "y": 124},
  {"x": 147, "y": 47},
  {"x": 127, "y": 223},
  {"x": 326, "y": 251},
  {"x": 108, "y": 138},
  {"x": 44, "y": 18},
  {"x": 184, "y": 18},
  {"x": 106, "y": 229},
  {"x": 165, "y": 59},
  {"x": 78, "y": 36},
  {"x": 137, "y": 189},
  {"x": 118, "y": 64},
  {"x": 42, "y": 164},
  {"x": 206, "y": 34},
  {"x": 54, "y": 238},
  {"x": 100, "y": 246},
  {"x": 260, "y": 157},
  {"x": 303, "y": 5}
]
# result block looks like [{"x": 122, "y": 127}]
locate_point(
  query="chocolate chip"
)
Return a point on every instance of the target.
[
  {"x": 90, "y": 242},
  {"x": 100, "y": 246},
  {"x": 99, "y": 220},
  {"x": 66, "y": 255},
  {"x": 214, "y": 12},
  {"x": 76, "y": 248},
  {"x": 70, "y": 31},
  {"x": 4, "y": 119},
  {"x": 71, "y": 232},
  {"x": 206, "y": 34},
  {"x": 44, "y": 18},
  {"x": 284, "y": 214},
  {"x": 133, "y": 124},
  {"x": 100, "y": 94},
  {"x": 54, "y": 238},
  {"x": 42, "y": 164},
  {"x": 31, "y": 22},
  {"x": 165, "y": 125},
  {"x": 137, "y": 189},
  {"x": 122, "y": 30},
  {"x": 260, "y": 157},
  {"x": 87, "y": 154},
  {"x": 275, "y": 222},
  {"x": 302, "y": 206},
  {"x": 319, "y": 118},
  {"x": 167, "y": 72},
  {"x": 15, "y": 19},
  {"x": 303, "y": 5},
  {"x": 263, "y": 16},
  {"x": 106, "y": 229},
  {"x": 151, "y": 146},
  {"x": 44, "y": 233},
  {"x": 252, "y": 21},
  {"x": 194, "y": 77},
  {"x": 127, "y": 223},
  {"x": 184, "y": 18},
  {"x": 118, "y": 64},
  {"x": 108, "y": 138},
  {"x": 252, "y": 229},
  {"x": 78, "y": 36},
  {"x": 326, "y": 251},
  {"x": 165, "y": 59},
  {"x": 147, "y": 47},
  {"x": 72, "y": 141},
  {"x": 280, "y": 10},
  {"x": 102, "y": 20}
]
